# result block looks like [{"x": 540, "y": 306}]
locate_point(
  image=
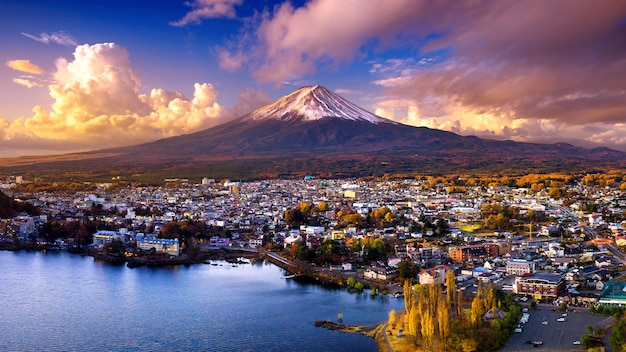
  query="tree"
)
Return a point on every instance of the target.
[
  {"x": 392, "y": 318},
  {"x": 428, "y": 329},
  {"x": 469, "y": 344},
  {"x": 407, "y": 269},
  {"x": 617, "y": 337},
  {"x": 443, "y": 321},
  {"x": 450, "y": 286},
  {"x": 294, "y": 217},
  {"x": 114, "y": 247},
  {"x": 413, "y": 321},
  {"x": 408, "y": 296}
]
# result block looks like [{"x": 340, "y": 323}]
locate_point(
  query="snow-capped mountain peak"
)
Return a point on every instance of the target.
[{"x": 314, "y": 103}]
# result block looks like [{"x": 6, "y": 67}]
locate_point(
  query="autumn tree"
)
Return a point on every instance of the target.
[
  {"x": 392, "y": 318},
  {"x": 413, "y": 322},
  {"x": 443, "y": 321},
  {"x": 408, "y": 295},
  {"x": 450, "y": 286}
]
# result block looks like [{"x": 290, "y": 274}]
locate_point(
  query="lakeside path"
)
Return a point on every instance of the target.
[{"x": 384, "y": 332}]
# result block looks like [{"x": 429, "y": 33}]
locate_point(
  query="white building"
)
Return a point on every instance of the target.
[
  {"x": 103, "y": 237},
  {"x": 160, "y": 245},
  {"x": 519, "y": 267}
]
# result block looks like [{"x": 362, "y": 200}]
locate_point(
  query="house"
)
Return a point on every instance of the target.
[
  {"x": 520, "y": 267},
  {"x": 160, "y": 245},
  {"x": 380, "y": 273},
  {"x": 216, "y": 241},
  {"x": 434, "y": 276}
]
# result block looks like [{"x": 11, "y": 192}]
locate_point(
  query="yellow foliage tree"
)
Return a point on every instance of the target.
[
  {"x": 469, "y": 344},
  {"x": 392, "y": 318},
  {"x": 443, "y": 321},
  {"x": 450, "y": 286}
]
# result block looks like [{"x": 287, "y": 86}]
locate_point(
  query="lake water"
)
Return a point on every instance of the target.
[{"x": 65, "y": 302}]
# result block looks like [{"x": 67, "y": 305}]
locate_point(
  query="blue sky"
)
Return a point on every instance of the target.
[{"x": 83, "y": 75}]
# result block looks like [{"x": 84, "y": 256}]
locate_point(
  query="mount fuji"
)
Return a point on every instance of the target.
[{"x": 315, "y": 131}]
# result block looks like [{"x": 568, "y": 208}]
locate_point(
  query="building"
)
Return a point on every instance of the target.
[
  {"x": 380, "y": 273},
  {"x": 216, "y": 241},
  {"x": 613, "y": 293},
  {"x": 160, "y": 245},
  {"x": 541, "y": 286},
  {"x": 463, "y": 254},
  {"x": 103, "y": 237},
  {"x": 434, "y": 276},
  {"x": 519, "y": 267}
]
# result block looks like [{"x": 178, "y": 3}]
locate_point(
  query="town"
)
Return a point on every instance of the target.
[{"x": 547, "y": 239}]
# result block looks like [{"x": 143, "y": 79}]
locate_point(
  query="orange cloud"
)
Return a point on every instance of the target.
[
  {"x": 97, "y": 105},
  {"x": 24, "y": 66}
]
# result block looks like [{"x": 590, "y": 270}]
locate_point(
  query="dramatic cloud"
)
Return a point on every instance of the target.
[
  {"x": 535, "y": 68},
  {"x": 538, "y": 78},
  {"x": 24, "y": 66},
  {"x": 97, "y": 105},
  {"x": 60, "y": 38},
  {"x": 203, "y": 9}
]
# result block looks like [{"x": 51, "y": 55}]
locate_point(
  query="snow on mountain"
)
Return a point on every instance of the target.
[{"x": 314, "y": 103}]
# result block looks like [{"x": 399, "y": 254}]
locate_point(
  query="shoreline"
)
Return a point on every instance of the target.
[{"x": 231, "y": 255}]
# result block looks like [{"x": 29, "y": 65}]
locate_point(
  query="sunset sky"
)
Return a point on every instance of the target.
[{"x": 84, "y": 75}]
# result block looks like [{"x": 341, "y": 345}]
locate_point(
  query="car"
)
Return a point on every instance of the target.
[
  {"x": 564, "y": 314},
  {"x": 517, "y": 330},
  {"x": 576, "y": 342},
  {"x": 545, "y": 322},
  {"x": 561, "y": 319}
]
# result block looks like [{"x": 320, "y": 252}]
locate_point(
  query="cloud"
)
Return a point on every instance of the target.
[
  {"x": 26, "y": 82},
  {"x": 203, "y": 9},
  {"x": 24, "y": 66},
  {"x": 293, "y": 41},
  {"x": 545, "y": 77},
  {"x": 229, "y": 61},
  {"x": 97, "y": 105},
  {"x": 60, "y": 38},
  {"x": 523, "y": 65}
]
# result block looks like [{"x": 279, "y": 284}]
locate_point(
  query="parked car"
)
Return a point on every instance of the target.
[
  {"x": 561, "y": 319},
  {"x": 576, "y": 342}
]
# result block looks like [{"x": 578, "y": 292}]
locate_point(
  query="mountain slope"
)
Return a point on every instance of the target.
[{"x": 313, "y": 130}]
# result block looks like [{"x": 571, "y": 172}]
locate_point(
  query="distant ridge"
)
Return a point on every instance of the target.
[{"x": 315, "y": 131}]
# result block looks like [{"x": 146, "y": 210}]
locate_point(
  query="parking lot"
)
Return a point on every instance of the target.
[{"x": 554, "y": 335}]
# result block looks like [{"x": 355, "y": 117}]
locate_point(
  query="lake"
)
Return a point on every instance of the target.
[{"x": 65, "y": 302}]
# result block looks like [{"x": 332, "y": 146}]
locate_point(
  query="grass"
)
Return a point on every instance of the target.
[{"x": 470, "y": 228}]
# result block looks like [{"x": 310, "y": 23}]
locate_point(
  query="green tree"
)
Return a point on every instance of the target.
[
  {"x": 114, "y": 247},
  {"x": 617, "y": 337},
  {"x": 407, "y": 269}
]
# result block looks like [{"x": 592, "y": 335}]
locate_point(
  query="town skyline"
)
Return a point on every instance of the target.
[{"x": 81, "y": 76}]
